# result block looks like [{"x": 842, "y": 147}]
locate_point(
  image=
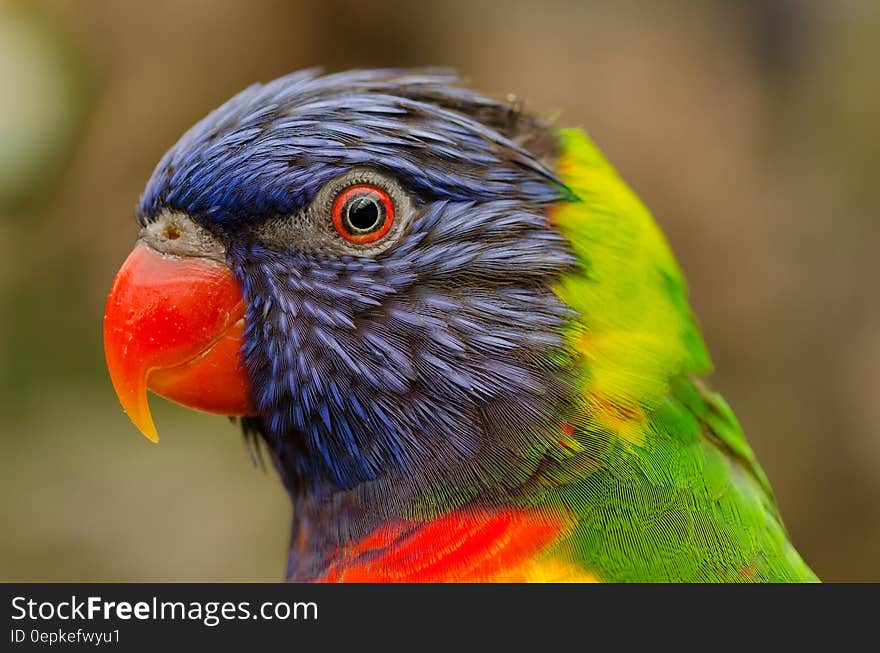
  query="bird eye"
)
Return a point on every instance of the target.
[{"x": 363, "y": 213}]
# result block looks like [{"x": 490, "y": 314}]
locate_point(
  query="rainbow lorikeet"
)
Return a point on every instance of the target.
[{"x": 462, "y": 339}]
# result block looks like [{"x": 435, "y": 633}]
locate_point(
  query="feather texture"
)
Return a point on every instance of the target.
[{"x": 510, "y": 389}]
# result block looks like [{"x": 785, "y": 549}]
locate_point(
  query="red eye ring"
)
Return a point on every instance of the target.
[{"x": 371, "y": 202}]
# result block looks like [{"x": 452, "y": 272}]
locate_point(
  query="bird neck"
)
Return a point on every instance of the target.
[{"x": 358, "y": 534}]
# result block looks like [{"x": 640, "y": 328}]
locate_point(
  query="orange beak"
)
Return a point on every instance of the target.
[{"x": 174, "y": 326}]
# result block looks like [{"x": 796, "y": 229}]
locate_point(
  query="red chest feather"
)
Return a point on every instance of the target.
[{"x": 463, "y": 546}]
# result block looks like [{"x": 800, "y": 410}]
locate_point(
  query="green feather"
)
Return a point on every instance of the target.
[{"x": 659, "y": 479}]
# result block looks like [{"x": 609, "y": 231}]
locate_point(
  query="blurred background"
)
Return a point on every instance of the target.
[{"x": 751, "y": 130}]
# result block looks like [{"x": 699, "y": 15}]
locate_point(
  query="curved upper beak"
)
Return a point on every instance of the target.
[{"x": 174, "y": 325}]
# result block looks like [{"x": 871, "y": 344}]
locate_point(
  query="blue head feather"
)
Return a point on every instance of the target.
[
  {"x": 268, "y": 150},
  {"x": 431, "y": 368}
]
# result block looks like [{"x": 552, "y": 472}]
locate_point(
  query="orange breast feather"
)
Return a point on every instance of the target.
[{"x": 463, "y": 546}]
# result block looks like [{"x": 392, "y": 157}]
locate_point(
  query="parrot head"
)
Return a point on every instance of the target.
[{"x": 361, "y": 267}]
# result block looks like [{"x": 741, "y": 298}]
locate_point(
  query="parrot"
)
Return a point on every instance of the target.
[{"x": 460, "y": 338}]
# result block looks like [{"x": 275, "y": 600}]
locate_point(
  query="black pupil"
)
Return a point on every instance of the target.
[{"x": 363, "y": 213}]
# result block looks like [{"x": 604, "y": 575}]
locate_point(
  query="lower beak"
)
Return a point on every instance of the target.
[{"x": 174, "y": 326}]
